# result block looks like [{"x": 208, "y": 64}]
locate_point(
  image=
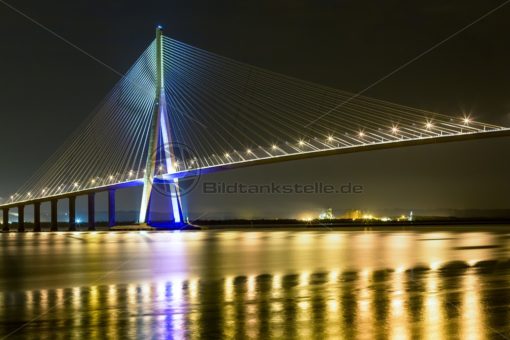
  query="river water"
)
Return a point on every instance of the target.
[{"x": 425, "y": 283}]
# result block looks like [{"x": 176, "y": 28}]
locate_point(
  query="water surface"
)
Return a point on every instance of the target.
[{"x": 428, "y": 283}]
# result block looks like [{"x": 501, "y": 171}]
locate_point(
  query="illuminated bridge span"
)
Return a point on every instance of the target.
[{"x": 180, "y": 110}]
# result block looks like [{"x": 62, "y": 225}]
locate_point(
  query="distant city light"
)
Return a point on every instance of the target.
[
  {"x": 307, "y": 218},
  {"x": 75, "y": 184},
  {"x": 428, "y": 125},
  {"x": 248, "y": 151},
  {"x": 93, "y": 181},
  {"x": 361, "y": 134},
  {"x": 110, "y": 177},
  {"x": 301, "y": 142},
  {"x": 467, "y": 120},
  {"x": 394, "y": 129},
  {"x": 274, "y": 146},
  {"x": 29, "y": 194},
  {"x": 330, "y": 138},
  {"x": 227, "y": 155}
]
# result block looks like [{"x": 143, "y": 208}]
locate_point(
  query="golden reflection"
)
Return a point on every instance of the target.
[
  {"x": 251, "y": 287},
  {"x": 365, "y": 312},
  {"x": 229, "y": 312},
  {"x": 29, "y": 297},
  {"x": 193, "y": 290},
  {"x": 333, "y": 307},
  {"x": 76, "y": 297},
  {"x": 229, "y": 289},
  {"x": 194, "y": 313},
  {"x": 44, "y": 300},
  {"x": 112, "y": 295},
  {"x": 365, "y": 304},
  {"x": 304, "y": 277},
  {"x": 399, "y": 327},
  {"x": 132, "y": 294},
  {"x": 435, "y": 265},
  {"x": 472, "y": 316},
  {"x": 433, "y": 317}
]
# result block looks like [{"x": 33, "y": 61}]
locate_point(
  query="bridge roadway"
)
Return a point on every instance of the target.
[{"x": 111, "y": 188}]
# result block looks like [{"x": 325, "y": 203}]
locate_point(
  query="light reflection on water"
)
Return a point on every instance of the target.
[{"x": 256, "y": 285}]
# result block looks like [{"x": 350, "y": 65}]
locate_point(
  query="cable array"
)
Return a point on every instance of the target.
[
  {"x": 225, "y": 112},
  {"x": 230, "y": 112},
  {"x": 110, "y": 146}
]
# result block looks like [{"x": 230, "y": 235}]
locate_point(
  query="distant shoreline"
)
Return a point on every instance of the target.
[
  {"x": 286, "y": 224},
  {"x": 318, "y": 224}
]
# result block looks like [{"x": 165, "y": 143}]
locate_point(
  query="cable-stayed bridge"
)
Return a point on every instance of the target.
[{"x": 180, "y": 111}]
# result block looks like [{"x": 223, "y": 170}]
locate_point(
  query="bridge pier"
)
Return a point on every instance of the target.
[
  {"x": 37, "y": 216},
  {"x": 54, "y": 220},
  {"x": 92, "y": 211},
  {"x": 111, "y": 207},
  {"x": 21, "y": 218},
  {"x": 5, "y": 213},
  {"x": 72, "y": 213}
]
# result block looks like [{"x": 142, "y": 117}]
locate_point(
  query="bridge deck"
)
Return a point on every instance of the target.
[{"x": 504, "y": 132}]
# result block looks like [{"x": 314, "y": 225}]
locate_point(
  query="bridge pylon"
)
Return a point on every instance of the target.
[{"x": 160, "y": 132}]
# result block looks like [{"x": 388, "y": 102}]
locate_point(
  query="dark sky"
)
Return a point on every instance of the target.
[{"x": 47, "y": 88}]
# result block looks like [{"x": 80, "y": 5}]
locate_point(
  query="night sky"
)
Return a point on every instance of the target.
[{"x": 47, "y": 88}]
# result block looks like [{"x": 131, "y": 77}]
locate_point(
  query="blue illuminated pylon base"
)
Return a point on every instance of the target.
[{"x": 164, "y": 210}]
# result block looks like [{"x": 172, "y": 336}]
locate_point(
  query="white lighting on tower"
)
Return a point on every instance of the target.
[
  {"x": 361, "y": 134},
  {"x": 428, "y": 125},
  {"x": 227, "y": 155},
  {"x": 75, "y": 184},
  {"x": 330, "y": 138},
  {"x": 274, "y": 147},
  {"x": 248, "y": 151},
  {"x": 394, "y": 129},
  {"x": 467, "y": 120},
  {"x": 301, "y": 142}
]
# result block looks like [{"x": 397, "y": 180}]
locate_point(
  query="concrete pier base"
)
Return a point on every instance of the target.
[
  {"x": 92, "y": 211},
  {"x": 21, "y": 218},
  {"x": 111, "y": 208},
  {"x": 54, "y": 217},
  {"x": 37, "y": 216},
  {"x": 5, "y": 219},
  {"x": 72, "y": 213}
]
